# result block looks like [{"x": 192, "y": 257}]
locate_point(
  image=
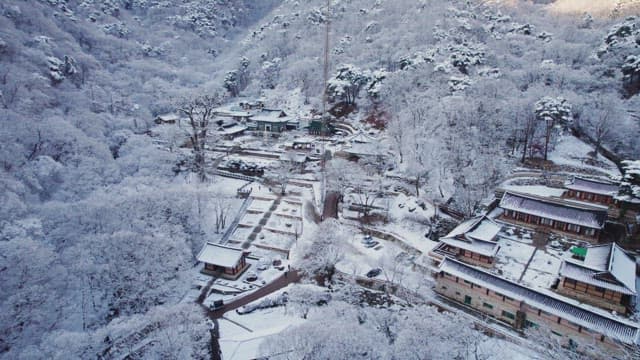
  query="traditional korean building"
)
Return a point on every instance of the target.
[
  {"x": 590, "y": 190},
  {"x": 224, "y": 261},
  {"x": 604, "y": 276},
  {"x": 273, "y": 121},
  {"x": 233, "y": 112},
  {"x": 570, "y": 218},
  {"x": 229, "y": 129},
  {"x": 321, "y": 128},
  {"x": 522, "y": 307},
  {"x": 474, "y": 241}
]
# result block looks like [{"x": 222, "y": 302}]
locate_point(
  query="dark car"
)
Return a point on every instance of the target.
[
  {"x": 217, "y": 304},
  {"x": 374, "y": 272}
]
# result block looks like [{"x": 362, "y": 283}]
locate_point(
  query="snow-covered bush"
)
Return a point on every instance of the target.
[
  {"x": 345, "y": 86},
  {"x": 61, "y": 69}
]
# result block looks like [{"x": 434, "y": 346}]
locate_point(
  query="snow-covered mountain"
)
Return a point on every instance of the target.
[{"x": 91, "y": 249}]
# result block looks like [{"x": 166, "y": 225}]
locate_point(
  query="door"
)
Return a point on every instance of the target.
[{"x": 467, "y": 299}]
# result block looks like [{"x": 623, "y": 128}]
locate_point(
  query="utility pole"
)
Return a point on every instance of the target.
[
  {"x": 325, "y": 71},
  {"x": 324, "y": 123}
]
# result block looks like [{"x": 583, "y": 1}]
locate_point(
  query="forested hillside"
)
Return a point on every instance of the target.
[{"x": 97, "y": 231}]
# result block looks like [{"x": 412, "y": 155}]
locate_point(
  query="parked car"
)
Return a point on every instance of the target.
[
  {"x": 366, "y": 239},
  {"x": 251, "y": 277},
  {"x": 262, "y": 266},
  {"x": 371, "y": 244},
  {"x": 374, "y": 272},
  {"x": 217, "y": 304}
]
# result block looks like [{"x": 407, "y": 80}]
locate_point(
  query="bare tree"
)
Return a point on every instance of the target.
[
  {"x": 281, "y": 175},
  {"x": 556, "y": 347},
  {"x": 528, "y": 130},
  {"x": 601, "y": 126},
  {"x": 221, "y": 206},
  {"x": 199, "y": 112},
  {"x": 398, "y": 133}
]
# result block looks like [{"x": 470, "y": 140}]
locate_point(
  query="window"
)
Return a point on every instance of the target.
[
  {"x": 556, "y": 333},
  {"x": 466, "y": 282},
  {"x": 547, "y": 222},
  {"x": 599, "y": 289},
  {"x": 488, "y": 306},
  {"x": 590, "y": 232},
  {"x": 531, "y": 324},
  {"x": 443, "y": 287},
  {"x": 573, "y": 227},
  {"x": 458, "y": 293},
  {"x": 570, "y": 283},
  {"x": 467, "y": 299},
  {"x": 508, "y": 315}
]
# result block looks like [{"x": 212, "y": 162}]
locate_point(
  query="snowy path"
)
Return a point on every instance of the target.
[{"x": 236, "y": 220}]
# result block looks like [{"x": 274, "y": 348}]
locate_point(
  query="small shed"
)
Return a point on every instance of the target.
[
  {"x": 169, "y": 118},
  {"x": 224, "y": 261}
]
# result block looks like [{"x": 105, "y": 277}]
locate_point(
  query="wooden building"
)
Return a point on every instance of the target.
[
  {"x": 568, "y": 218},
  {"x": 590, "y": 190},
  {"x": 605, "y": 277},
  {"x": 224, "y": 261},
  {"x": 522, "y": 307},
  {"x": 474, "y": 241},
  {"x": 273, "y": 121}
]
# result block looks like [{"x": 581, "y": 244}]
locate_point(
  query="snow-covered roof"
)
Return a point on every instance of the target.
[
  {"x": 294, "y": 157},
  {"x": 169, "y": 117},
  {"x": 364, "y": 149},
  {"x": 555, "y": 209},
  {"x": 231, "y": 110},
  {"x": 592, "y": 186},
  {"x": 606, "y": 266},
  {"x": 272, "y": 116},
  {"x": 362, "y": 138},
  {"x": 232, "y": 129},
  {"x": 486, "y": 248},
  {"x": 476, "y": 234},
  {"x": 304, "y": 140},
  {"x": 221, "y": 255},
  {"x": 627, "y": 332},
  {"x": 485, "y": 230}
]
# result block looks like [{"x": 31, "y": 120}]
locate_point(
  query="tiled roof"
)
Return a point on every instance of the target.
[
  {"x": 592, "y": 186},
  {"x": 600, "y": 261},
  {"x": 568, "y": 212},
  {"x": 476, "y": 234},
  {"x": 602, "y": 322},
  {"x": 216, "y": 254}
]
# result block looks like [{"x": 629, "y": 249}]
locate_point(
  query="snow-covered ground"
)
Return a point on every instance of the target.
[
  {"x": 230, "y": 290},
  {"x": 572, "y": 152},
  {"x": 241, "y": 335},
  {"x": 542, "y": 271},
  {"x": 512, "y": 258}
]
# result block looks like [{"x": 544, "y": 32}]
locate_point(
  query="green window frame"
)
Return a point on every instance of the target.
[
  {"x": 487, "y": 305},
  {"x": 508, "y": 315}
]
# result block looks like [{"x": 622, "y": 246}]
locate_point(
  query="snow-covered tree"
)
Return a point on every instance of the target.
[
  {"x": 200, "y": 113},
  {"x": 552, "y": 112},
  {"x": 320, "y": 256},
  {"x": 346, "y": 84}
]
